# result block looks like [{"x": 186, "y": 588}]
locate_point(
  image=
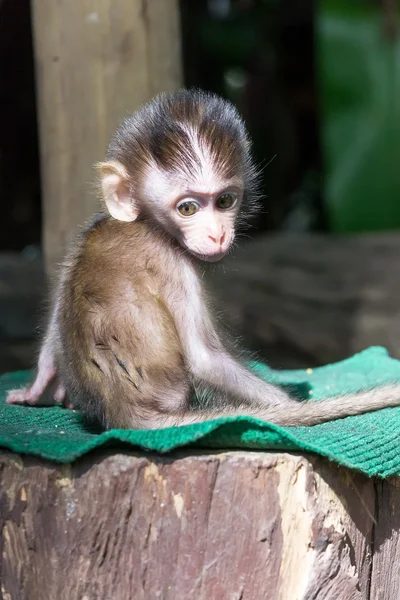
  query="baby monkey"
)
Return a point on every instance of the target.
[{"x": 131, "y": 335}]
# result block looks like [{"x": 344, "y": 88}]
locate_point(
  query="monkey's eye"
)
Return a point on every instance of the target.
[
  {"x": 188, "y": 208},
  {"x": 226, "y": 201}
]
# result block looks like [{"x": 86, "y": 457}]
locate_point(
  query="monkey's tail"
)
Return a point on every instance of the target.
[{"x": 314, "y": 412}]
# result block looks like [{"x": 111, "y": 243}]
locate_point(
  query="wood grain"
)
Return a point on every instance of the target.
[
  {"x": 229, "y": 525},
  {"x": 96, "y": 62},
  {"x": 385, "y": 574}
]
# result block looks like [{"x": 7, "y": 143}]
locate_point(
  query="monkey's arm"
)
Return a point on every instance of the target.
[
  {"x": 206, "y": 357},
  {"x": 209, "y": 361}
]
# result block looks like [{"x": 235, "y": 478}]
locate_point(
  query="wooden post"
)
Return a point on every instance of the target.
[
  {"x": 226, "y": 525},
  {"x": 95, "y": 63}
]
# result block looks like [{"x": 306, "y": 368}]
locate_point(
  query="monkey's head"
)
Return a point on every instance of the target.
[{"x": 183, "y": 160}]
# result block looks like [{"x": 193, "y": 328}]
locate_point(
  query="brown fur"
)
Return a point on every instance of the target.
[
  {"x": 159, "y": 132},
  {"x": 119, "y": 350},
  {"x": 121, "y": 355}
]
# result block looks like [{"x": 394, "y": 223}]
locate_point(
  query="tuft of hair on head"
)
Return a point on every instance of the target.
[{"x": 172, "y": 132}]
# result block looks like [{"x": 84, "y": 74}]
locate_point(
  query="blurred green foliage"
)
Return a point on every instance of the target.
[{"x": 359, "y": 78}]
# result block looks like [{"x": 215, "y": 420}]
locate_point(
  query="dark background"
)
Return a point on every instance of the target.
[
  {"x": 246, "y": 50},
  {"x": 263, "y": 54}
]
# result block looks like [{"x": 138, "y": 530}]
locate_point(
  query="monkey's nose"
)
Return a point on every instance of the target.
[{"x": 219, "y": 241}]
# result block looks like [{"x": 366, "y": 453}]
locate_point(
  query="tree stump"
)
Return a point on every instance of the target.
[{"x": 228, "y": 525}]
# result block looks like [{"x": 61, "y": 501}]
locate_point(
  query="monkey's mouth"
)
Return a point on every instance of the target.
[{"x": 215, "y": 257}]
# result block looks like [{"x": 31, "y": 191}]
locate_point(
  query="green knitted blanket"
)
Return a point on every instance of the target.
[{"x": 369, "y": 443}]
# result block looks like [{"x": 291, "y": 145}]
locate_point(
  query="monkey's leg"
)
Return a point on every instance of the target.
[{"x": 160, "y": 406}]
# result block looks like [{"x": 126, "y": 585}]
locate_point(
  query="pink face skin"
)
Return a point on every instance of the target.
[
  {"x": 207, "y": 221},
  {"x": 199, "y": 209}
]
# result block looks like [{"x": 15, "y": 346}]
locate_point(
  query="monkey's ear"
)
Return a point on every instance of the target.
[{"x": 117, "y": 192}]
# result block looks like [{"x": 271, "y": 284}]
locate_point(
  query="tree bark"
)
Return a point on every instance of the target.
[
  {"x": 229, "y": 525},
  {"x": 96, "y": 62}
]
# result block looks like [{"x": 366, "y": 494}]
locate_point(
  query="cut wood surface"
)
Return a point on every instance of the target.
[
  {"x": 96, "y": 62},
  {"x": 229, "y": 525}
]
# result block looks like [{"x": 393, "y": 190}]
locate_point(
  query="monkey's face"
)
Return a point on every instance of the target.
[
  {"x": 206, "y": 222},
  {"x": 184, "y": 162},
  {"x": 198, "y": 209}
]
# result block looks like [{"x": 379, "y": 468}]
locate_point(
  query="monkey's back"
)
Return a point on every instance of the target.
[{"x": 118, "y": 348}]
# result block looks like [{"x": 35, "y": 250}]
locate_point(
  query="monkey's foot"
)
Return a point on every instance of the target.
[
  {"x": 30, "y": 396},
  {"x": 18, "y": 396},
  {"x": 25, "y": 395}
]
